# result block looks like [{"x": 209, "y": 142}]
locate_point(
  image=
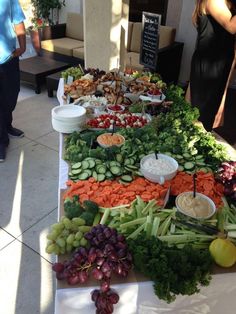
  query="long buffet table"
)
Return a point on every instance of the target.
[{"x": 136, "y": 294}]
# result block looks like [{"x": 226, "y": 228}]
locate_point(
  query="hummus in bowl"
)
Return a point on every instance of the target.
[{"x": 199, "y": 207}]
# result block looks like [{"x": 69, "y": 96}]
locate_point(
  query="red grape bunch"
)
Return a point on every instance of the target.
[
  {"x": 107, "y": 254},
  {"x": 226, "y": 174}
]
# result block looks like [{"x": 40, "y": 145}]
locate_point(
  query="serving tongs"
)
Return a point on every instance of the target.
[{"x": 197, "y": 225}]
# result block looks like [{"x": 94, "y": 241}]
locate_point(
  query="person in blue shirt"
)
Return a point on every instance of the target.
[{"x": 11, "y": 29}]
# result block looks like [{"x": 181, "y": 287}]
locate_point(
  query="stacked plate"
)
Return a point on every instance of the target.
[{"x": 68, "y": 118}]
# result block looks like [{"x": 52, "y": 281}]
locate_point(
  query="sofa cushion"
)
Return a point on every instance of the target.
[
  {"x": 166, "y": 37},
  {"x": 132, "y": 60},
  {"x": 78, "y": 53},
  {"x": 136, "y": 37},
  {"x": 74, "y": 26},
  {"x": 61, "y": 45}
]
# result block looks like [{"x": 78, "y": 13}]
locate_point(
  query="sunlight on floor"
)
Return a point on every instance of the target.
[
  {"x": 16, "y": 207},
  {"x": 15, "y": 223},
  {"x": 46, "y": 289}
]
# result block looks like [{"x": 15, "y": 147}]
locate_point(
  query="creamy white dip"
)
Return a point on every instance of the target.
[
  {"x": 194, "y": 206},
  {"x": 160, "y": 166}
]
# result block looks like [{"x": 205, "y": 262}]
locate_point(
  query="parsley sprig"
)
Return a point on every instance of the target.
[{"x": 173, "y": 270}]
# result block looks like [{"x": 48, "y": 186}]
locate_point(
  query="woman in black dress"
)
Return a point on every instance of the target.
[{"x": 213, "y": 56}]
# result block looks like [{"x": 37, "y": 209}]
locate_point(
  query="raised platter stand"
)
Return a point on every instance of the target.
[{"x": 136, "y": 206}]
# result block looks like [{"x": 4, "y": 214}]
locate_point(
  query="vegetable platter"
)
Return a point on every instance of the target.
[{"x": 116, "y": 226}]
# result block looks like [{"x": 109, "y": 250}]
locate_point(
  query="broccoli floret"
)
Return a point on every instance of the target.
[
  {"x": 88, "y": 217},
  {"x": 72, "y": 207},
  {"x": 91, "y": 207}
]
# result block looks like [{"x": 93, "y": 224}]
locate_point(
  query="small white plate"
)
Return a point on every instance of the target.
[{"x": 152, "y": 99}]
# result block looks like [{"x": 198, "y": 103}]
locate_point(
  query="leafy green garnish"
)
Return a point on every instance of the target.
[{"x": 173, "y": 270}]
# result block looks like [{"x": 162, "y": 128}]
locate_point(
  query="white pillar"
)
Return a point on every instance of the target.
[{"x": 103, "y": 24}]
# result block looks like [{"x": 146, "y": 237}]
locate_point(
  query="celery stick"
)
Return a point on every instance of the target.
[
  {"x": 133, "y": 222},
  {"x": 146, "y": 208},
  {"x": 140, "y": 202},
  {"x": 134, "y": 234},
  {"x": 114, "y": 212},
  {"x": 200, "y": 245},
  {"x": 232, "y": 234},
  {"x": 172, "y": 228},
  {"x": 105, "y": 216},
  {"x": 155, "y": 226},
  {"x": 150, "y": 212},
  {"x": 230, "y": 227},
  {"x": 231, "y": 216},
  {"x": 225, "y": 201},
  {"x": 165, "y": 225},
  {"x": 96, "y": 219},
  {"x": 138, "y": 211},
  {"x": 148, "y": 226},
  {"x": 174, "y": 239},
  {"x": 115, "y": 207}
]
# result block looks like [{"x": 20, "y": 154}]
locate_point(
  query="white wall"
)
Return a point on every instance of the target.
[
  {"x": 70, "y": 6},
  {"x": 186, "y": 33}
]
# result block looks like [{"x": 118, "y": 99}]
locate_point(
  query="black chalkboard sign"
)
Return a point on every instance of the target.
[{"x": 149, "y": 39}]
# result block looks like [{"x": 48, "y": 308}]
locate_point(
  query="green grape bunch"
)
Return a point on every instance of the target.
[{"x": 66, "y": 235}]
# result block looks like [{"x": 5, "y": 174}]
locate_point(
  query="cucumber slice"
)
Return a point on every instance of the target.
[
  {"x": 76, "y": 171},
  {"x": 180, "y": 168},
  {"x": 109, "y": 175},
  {"x": 131, "y": 167},
  {"x": 83, "y": 176},
  {"x": 76, "y": 165},
  {"x": 138, "y": 173},
  {"x": 101, "y": 177},
  {"x": 127, "y": 162},
  {"x": 199, "y": 157},
  {"x": 88, "y": 171},
  {"x": 88, "y": 158},
  {"x": 95, "y": 175},
  {"x": 85, "y": 164},
  {"x": 91, "y": 163},
  {"x": 119, "y": 157},
  {"x": 115, "y": 170},
  {"x": 200, "y": 163},
  {"x": 187, "y": 156},
  {"x": 178, "y": 157},
  {"x": 126, "y": 178},
  {"x": 114, "y": 163},
  {"x": 74, "y": 178},
  {"x": 189, "y": 165},
  {"x": 101, "y": 169},
  {"x": 98, "y": 161}
]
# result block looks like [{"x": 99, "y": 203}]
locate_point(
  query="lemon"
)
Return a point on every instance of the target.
[{"x": 223, "y": 252}]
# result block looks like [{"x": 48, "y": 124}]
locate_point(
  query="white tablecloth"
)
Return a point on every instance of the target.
[{"x": 139, "y": 298}]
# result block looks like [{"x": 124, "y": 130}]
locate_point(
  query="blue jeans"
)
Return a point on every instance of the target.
[{"x": 9, "y": 90}]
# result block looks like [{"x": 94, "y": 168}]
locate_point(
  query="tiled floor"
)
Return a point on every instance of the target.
[{"x": 28, "y": 206}]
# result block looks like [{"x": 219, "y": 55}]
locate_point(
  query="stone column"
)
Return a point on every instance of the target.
[{"x": 103, "y": 33}]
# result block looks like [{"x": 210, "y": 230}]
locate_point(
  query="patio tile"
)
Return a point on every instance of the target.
[
  {"x": 26, "y": 281},
  {"x": 29, "y": 192},
  {"x": 5, "y": 238},
  {"x": 33, "y": 115},
  {"x": 50, "y": 140},
  {"x": 36, "y": 236},
  {"x": 17, "y": 142}
]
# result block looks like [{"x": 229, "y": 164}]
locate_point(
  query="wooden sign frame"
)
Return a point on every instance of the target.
[{"x": 150, "y": 39}]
